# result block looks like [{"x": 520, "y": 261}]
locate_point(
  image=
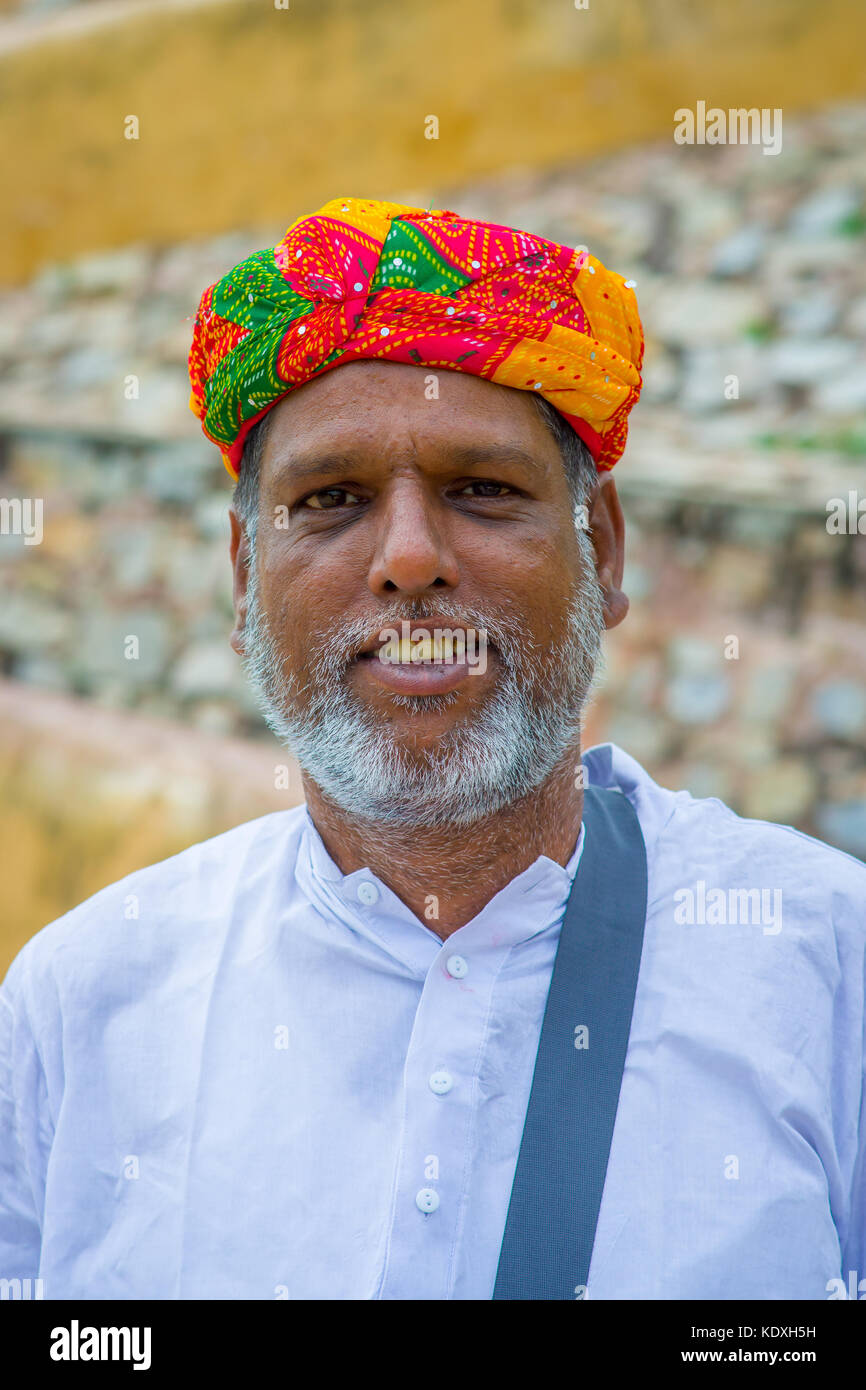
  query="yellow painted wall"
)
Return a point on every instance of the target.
[
  {"x": 88, "y": 794},
  {"x": 250, "y": 115}
]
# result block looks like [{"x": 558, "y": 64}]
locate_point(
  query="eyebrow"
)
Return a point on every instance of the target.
[{"x": 339, "y": 465}]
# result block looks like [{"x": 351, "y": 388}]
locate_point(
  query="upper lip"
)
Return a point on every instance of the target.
[{"x": 427, "y": 626}]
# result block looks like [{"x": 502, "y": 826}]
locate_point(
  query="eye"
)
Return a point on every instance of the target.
[
  {"x": 488, "y": 483},
  {"x": 329, "y": 497}
]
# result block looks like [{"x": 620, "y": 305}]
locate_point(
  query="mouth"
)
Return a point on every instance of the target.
[{"x": 433, "y": 659}]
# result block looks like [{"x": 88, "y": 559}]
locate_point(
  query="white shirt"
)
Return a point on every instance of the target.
[{"x": 241, "y": 1073}]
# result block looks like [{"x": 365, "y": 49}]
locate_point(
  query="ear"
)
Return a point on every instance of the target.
[
  {"x": 607, "y": 531},
  {"x": 239, "y": 553}
]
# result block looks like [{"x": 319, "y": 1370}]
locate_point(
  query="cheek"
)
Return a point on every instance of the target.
[
  {"x": 292, "y": 603},
  {"x": 304, "y": 593},
  {"x": 535, "y": 579}
]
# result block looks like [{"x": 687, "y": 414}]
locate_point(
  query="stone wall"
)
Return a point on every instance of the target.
[{"x": 739, "y": 672}]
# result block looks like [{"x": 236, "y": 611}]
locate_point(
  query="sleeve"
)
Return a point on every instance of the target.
[{"x": 23, "y": 1140}]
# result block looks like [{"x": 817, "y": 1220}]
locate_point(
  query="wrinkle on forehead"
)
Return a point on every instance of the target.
[{"x": 397, "y": 400}]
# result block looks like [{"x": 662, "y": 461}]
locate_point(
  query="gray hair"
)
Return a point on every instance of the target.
[{"x": 580, "y": 470}]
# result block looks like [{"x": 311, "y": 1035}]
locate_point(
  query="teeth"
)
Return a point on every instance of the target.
[{"x": 435, "y": 648}]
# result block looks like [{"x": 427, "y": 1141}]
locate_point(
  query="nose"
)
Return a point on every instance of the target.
[{"x": 412, "y": 551}]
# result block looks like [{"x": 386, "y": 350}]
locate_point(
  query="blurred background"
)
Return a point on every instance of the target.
[{"x": 147, "y": 147}]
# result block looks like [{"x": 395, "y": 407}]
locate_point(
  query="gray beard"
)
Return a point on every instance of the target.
[{"x": 486, "y": 761}]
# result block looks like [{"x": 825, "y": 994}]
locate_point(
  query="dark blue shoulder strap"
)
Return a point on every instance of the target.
[{"x": 562, "y": 1163}]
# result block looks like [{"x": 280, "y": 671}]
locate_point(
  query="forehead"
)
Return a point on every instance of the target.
[{"x": 370, "y": 402}]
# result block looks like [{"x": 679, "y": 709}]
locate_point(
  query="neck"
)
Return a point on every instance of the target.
[{"x": 445, "y": 876}]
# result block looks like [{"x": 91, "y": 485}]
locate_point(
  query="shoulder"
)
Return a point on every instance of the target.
[{"x": 701, "y": 838}]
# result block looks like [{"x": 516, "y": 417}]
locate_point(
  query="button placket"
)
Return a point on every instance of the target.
[{"x": 440, "y": 1095}]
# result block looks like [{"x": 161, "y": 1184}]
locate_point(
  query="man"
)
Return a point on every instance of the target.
[{"x": 489, "y": 1016}]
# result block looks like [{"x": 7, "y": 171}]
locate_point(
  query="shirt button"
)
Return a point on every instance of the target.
[
  {"x": 368, "y": 893},
  {"x": 456, "y": 967},
  {"x": 441, "y": 1082},
  {"x": 427, "y": 1200}
]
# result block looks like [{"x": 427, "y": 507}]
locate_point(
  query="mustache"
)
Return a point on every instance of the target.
[{"x": 340, "y": 643}]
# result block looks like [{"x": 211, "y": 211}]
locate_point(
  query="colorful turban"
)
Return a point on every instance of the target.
[{"x": 366, "y": 279}]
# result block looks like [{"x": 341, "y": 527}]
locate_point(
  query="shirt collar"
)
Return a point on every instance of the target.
[{"x": 531, "y": 902}]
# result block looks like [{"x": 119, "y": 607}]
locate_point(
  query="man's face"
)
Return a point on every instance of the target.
[{"x": 378, "y": 505}]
